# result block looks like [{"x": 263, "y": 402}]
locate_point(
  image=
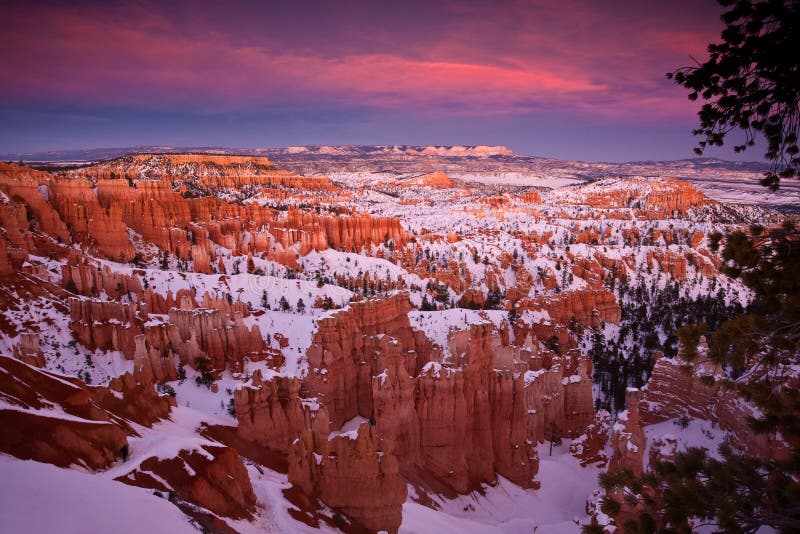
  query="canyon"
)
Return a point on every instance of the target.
[{"x": 294, "y": 345}]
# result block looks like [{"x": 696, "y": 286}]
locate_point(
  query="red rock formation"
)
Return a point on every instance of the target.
[
  {"x": 655, "y": 198},
  {"x": 28, "y": 349},
  {"x": 393, "y": 400},
  {"x": 30, "y": 188},
  {"x": 355, "y": 475},
  {"x": 452, "y": 422},
  {"x": 676, "y": 196},
  {"x": 6, "y": 266},
  {"x": 677, "y": 389},
  {"x": 342, "y": 355},
  {"x": 225, "y": 340},
  {"x": 271, "y": 413},
  {"x": 68, "y": 210},
  {"x": 314, "y": 232},
  {"x": 531, "y": 196},
  {"x": 628, "y": 441},
  {"x": 207, "y": 170},
  {"x": 89, "y": 424},
  {"x": 212, "y": 476},
  {"x": 98, "y": 213},
  {"x": 103, "y": 230},
  {"x": 578, "y": 402},
  {"x": 514, "y": 431},
  {"x": 589, "y": 447},
  {"x": 455, "y": 427},
  {"x": 587, "y": 306},
  {"x": 191, "y": 334},
  {"x": 106, "y": 325},
  {"x": 696, "y": 239},
  {"x": 668, "y": 262},
  {"x": 472, "y": 298},
  {"x": 437, "y": 180},
  {"x": 91, "y": 280},
  {"x": 60, "y": 441},
  {"x": 60, "y": 420}
]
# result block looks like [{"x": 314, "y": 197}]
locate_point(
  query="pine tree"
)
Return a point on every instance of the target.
[{"x": 737, "y": 492}]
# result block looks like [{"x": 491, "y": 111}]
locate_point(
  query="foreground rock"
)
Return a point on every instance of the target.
[
  {"x": 354, "y": 473},
  {"x": 62, "y": 421}
]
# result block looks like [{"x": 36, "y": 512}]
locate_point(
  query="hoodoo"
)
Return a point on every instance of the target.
[{"x": 263, "y": 347}]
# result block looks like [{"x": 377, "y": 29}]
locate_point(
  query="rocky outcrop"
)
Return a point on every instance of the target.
[
  {"x": 344, "y": 354},
  {"x": 212, "y": 476},
  {"x": 531, "y": 196},
  {"x": 315, "y": 232},
  {"x": 589, "y": 307},
  {"x": 628, "y": 441},
  {"x": 589, "y": 448},
  {"x": 436, "y": 180},
  {"x": 676, "y": 389},
  {"x": 102, "y": 230},
  {"x": 578, "y": 401},
  {"x": 60, "y": 420},
  {"x": 207, "y": 170},
  {"x": 28, "y": 187},
  {"x": 59, "y": 441},
  {"x": 194, "y": 336},
  {"x": 95, "y": 207},
  {"x": 454, "y": 415},
  {"x": 652, "y": 197},
  {"x": 6, "y": 266},
  {"x": 459, "y": 422},
  {"x": 91, "y": 280},
  {"x": 675, "y": 196},
  {"x": 28, "y": 349},
  {"x": 203, "y": 333},
  {"x": 15, "y": 237},
  {"x": 354, "y": 473},
  {"x": 668, "y": 262},
  {"x": 271, "y": 413},
  {"x": 106, "y": 325}
]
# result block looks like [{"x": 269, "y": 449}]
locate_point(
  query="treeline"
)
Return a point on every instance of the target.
[{"x": 651, "y": 316}]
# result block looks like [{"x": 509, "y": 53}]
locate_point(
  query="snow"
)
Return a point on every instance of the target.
[
  {"x": 53, "y": 411},
  {"x": 274, "y": 515},
  {"x": 349, "y": 428},
  {"x": 531, "y": 376},
  {"x": 698, "y": 433},
  {"x": 451, "y": 227},
  {"x": 438, "y": 325},
  {"x": 165, "y": 440},
  {"x": 558, "y": 507},
  {"x": 77, "y": 502}
]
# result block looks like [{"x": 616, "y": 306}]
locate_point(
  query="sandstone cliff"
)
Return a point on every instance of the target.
[
  {"x": 60, "y": 420},
  {"x": 628, "y": 441},
  {"x": 355, "y": 473},
  {"x": 211, "y": 476},
  {"x": 194, "y": 336},
  {"x": 676, "y": 389}
]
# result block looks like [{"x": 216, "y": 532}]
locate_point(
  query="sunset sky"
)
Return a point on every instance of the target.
[{"x": 578, "y": 79}]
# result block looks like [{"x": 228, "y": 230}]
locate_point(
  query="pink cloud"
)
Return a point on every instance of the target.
[{"x": 134, "y": 57}]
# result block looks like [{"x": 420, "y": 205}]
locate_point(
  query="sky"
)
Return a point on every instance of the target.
[{"x": 572, "y": 79}]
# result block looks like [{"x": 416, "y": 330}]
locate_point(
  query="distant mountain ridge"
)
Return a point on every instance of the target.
[
  {"x": 95, "y": 154},
  {"x": 497, "y": 152}
]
